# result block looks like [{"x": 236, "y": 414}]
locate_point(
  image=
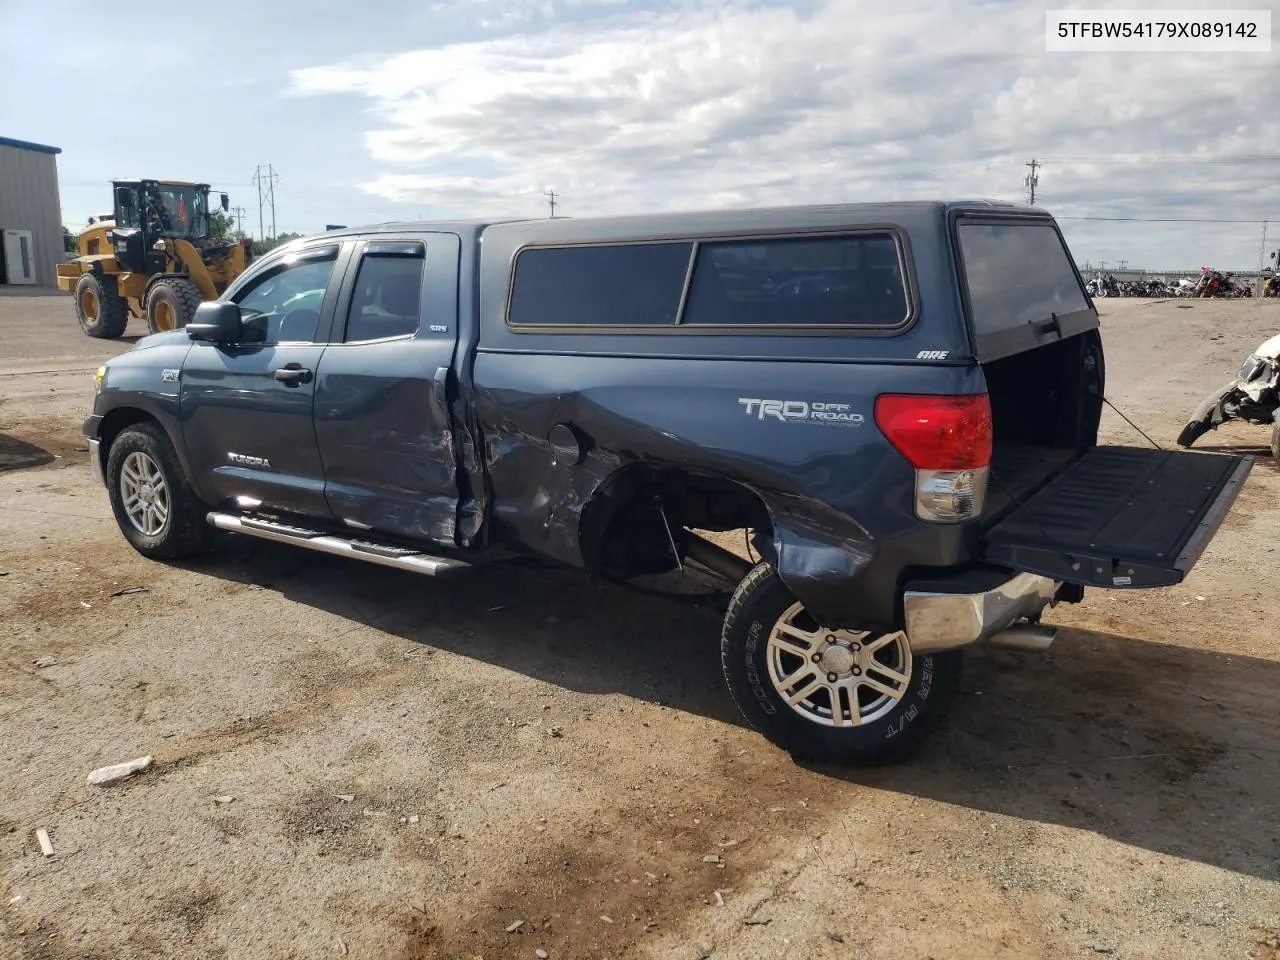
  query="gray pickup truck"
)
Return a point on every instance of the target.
[{"x": 900, "y": 402}]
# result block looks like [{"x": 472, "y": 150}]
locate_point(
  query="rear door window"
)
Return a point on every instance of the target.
[{"x": 1021, "y": 284}]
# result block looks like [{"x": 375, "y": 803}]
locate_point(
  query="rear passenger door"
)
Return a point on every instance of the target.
[{"x": 384, "y": 390}]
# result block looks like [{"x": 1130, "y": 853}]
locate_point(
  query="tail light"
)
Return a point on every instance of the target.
[{"x": 948, "y": 441}]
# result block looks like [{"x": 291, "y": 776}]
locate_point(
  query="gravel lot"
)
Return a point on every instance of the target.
[{"x": 520, "y": 746}]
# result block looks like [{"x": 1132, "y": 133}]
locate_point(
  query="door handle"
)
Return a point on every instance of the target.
[{"x": 293, "y": 374}]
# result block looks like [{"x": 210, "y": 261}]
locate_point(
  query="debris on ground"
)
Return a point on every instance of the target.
[
  {"x": 712, "y": 858},
  {"x": 606, "y": 919},
  {"x": 118, "y": 771},
  {"x": 46, "y": 845},
  {"x": 554, "y": 732},
  {"x": 834, "y": 936},
  {"x": 702, "y": 952},
  {"x": 757, "y": 921},
  {"x": 345, "y": 797},
  {"x": 340, "y": 948},
  {"x": 128, "y": 590},
  {"x": 514, "y": 926},
  {"x": 414, "y": 818},
  {"x": 42, "y": 662},
  {"x": 541, "y": 954},
  {"x": 224, "y": 799}
]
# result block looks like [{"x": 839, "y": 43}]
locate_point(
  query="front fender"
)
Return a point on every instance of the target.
[{"x": 1209, "y": 415}]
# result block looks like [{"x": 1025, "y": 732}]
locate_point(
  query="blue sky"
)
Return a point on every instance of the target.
[{"x": 387, "y": 109}]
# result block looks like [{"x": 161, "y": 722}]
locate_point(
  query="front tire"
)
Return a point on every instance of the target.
[
  {"x": 855, "y": 696},
  {"x": 102, "y": 312},
  {"x": 171, "y": 304},
  {"x": 1275, "y": 443},
  {"x": 155, "y": 507}
]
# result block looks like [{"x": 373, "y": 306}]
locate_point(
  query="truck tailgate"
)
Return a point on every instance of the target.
[{"x": 1120, "y": 517}]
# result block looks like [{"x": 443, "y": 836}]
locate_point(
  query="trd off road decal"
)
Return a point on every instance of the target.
[{"x": 802, "y": 411}]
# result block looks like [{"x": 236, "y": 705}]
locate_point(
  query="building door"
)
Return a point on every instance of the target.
[{"x": 19, "y": 256}]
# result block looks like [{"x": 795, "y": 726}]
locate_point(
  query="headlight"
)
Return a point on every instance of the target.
[
  {"x": 99, "y": 378},
  {"x": 1253, "y": 366}
]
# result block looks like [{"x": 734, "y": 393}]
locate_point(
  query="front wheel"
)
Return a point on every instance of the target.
[
  {"x": 155, "y": 507},
  {"x": 829, "y": 695}
]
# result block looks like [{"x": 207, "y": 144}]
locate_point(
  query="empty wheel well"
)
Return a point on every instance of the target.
[{"x": 624, "y": 530}]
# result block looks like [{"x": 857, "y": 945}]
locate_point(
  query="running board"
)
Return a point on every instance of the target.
[{"x": 384, "y": 555}]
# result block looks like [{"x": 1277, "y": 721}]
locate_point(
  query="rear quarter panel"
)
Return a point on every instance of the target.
[{"x": 839, "y": 495}]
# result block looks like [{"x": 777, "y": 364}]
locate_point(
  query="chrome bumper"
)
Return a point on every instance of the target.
[
  {"x": 95, "y": 460},
  {"x": 945, "y": 621}
]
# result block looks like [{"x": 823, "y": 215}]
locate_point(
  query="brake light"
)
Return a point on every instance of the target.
[
  {"x": 948, "y": 441},
  {"x": 938, "y": 433}
]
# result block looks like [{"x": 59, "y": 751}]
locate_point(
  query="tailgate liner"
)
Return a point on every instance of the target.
[{"x": 1121, "y": 517}]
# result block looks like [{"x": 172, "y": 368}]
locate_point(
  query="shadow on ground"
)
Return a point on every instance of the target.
[
  {"x": 18, "y": 454},
  {"x": 1163, "y": 747}
]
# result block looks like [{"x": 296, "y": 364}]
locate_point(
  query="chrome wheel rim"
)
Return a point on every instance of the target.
[
  {"x": 144, "y": 494},
  {"x": 836, "y": 678}
]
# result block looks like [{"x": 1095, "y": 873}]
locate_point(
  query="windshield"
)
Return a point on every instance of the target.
[{"x": 174, "y": 211}]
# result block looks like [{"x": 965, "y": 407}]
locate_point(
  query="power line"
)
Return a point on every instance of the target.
[
  {"x": 1162, "y": 219},
  {"x": 266, "y": 184}
]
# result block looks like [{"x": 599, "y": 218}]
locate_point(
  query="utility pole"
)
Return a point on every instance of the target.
[
  {"x": 1031, "y": 180},
  {"x": 1262, "y": 248},
  {"x": 1123, "y": 263},
  {"x": 266, "y": 183},
  {"x": 551, "y": 199},
  {"x": 1102, "y": 265},
  {"x": 238, "y": 213}
]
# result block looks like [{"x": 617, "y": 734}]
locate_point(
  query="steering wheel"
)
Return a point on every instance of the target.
[{"x": 303, "y": 320}]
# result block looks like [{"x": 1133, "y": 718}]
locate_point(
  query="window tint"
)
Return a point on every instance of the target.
[
  {"x": 855, "y": 281},
  {"x": 127, "y": 208},
  {"x": 1017, "y": 274},
  {"x": 284, "y": 306},
  {"x": 635, "y": 284},
  {"x": 387, "y": 296}
]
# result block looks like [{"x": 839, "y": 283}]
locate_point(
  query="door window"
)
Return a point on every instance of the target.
[
  {"x": 388, "y": 293},
  {"x": 284, "y": 306}
]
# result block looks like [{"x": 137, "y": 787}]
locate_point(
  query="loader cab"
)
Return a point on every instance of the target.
[{"x": 150, "y": 211}]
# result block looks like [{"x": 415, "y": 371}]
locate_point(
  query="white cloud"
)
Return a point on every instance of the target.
[{"x": 729, "y": 104}]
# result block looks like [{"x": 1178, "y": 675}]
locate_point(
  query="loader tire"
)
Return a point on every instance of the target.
[
  {"x": 1275, "y": 442},
  {"x": 102, "y": 312},
  {"x": 171, "y": 304}
]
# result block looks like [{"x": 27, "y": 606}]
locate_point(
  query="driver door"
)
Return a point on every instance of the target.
[{"x": 247, "y": 407}]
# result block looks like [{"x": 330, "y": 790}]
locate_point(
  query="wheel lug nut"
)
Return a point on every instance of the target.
[
  {"x": 857, "y": 671},
  {"x": 831, "y": 638},
  {"x": 817, "y": 658},
  {"x": 832, "y": 678}
]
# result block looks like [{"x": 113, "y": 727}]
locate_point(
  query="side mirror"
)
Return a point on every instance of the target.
[
  {"x": 215, "y": 321},
  {"x": 226, "y": 204}
]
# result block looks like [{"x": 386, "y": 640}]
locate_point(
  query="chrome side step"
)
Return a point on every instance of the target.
[{"x": 387, "y": 556}]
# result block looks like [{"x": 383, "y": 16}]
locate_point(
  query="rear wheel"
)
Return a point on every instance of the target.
[
  {"x": 155, "y": 507},
  {"x": 171, "y": 304},
  {"x": 1275, "y": 442},
  {"x": 101, "y": 311},
  {"x": 827, "y": 694}
]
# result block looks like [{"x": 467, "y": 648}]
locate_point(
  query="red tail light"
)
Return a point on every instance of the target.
[{"x": 938, "y": 433}]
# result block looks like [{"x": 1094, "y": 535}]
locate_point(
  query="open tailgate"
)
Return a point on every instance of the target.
[{"x": 1120, "y": 517}]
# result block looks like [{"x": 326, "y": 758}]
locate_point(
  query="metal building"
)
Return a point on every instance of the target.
[{"x": 30, "y": 213}]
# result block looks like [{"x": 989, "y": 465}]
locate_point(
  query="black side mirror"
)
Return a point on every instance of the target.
[
  {"x": 216, "y": 321},
  {"x": 226, "y": 204}
]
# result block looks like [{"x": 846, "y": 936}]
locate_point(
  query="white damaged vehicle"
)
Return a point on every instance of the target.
[{"x": 1253, "y": 396}]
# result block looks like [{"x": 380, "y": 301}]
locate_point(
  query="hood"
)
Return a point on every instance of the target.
[{"x": 169, "y": 337}]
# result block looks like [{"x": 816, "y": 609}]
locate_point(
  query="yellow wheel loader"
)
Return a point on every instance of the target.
[{"x": 153, "y": 257}]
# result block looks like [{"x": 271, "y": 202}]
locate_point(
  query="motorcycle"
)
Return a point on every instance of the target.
[{"x": 1254, "y": 396}]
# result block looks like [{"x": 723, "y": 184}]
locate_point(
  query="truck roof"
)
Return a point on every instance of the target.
[{"x": 683, "y": 221}]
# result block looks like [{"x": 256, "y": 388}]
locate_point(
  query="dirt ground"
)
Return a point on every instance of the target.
[{"x": 518, "y": 761}]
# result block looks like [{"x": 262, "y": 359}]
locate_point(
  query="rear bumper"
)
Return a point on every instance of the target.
[{"x": 947, "y": 621}]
